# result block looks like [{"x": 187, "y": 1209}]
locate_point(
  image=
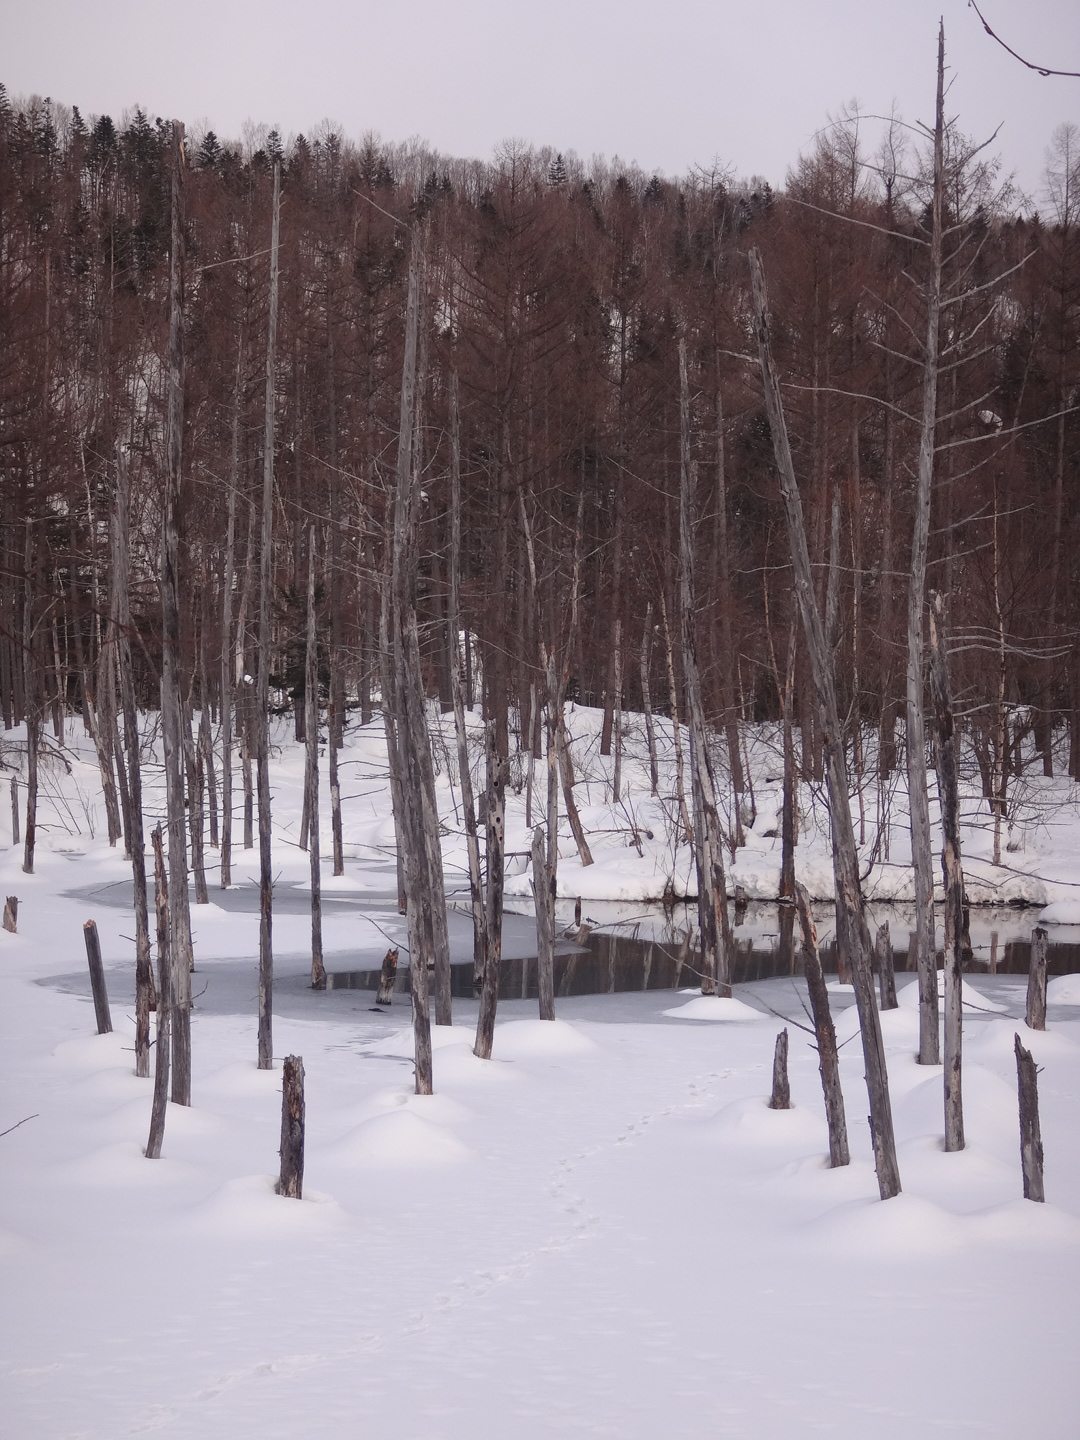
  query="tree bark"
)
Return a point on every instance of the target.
[
  {"x": 781, "y": 1090},
  {"x": 311, "y": 776},
  {"x": 954, "y": 876},
  {"x": 227, "y": 656},
  {"x": 180, "y": 951},
  {"x": 852, "y": 934},
  {"x": 262, "y": 719},
  {"x": 646, "y": 702},
  {"x": 886, "y": 972},
  {"x": 165, "y": 1004},
  {"x": 1031, "y": 1149},
  {"x": 97, "y": 979},
  {"x": 1035, "y": 1015},
  {"x": 544, "y": 896},
  {"x": 828, "y": 1057},
  {"x": 922, "y": 863},
  {"x": 293, "y": 1114}
]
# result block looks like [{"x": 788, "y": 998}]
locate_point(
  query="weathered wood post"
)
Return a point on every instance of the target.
[
  {"x": 781, "y": 1090},
  {"x": 828, "y": 1057},
  {"x": 386, "y": 978},
  {"x": 14, "y": 810},
  {"x": 11, "y": 914},
  {"x": 291, "y": 1181},
  {"x": 886, "y": 972},
  {"x": 1031, "y": 1150},
  {"x": 1036, "y": 991},
  {"x": 97, "y": 978},
  {"x": 544, "y": 895}
]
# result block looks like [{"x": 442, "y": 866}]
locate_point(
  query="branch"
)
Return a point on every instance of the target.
[{"x": 1039, "y": 69}]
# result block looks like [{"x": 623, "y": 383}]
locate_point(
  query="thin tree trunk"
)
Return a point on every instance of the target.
[
  {"x": 676, "y": 730},
  {"x": 144, "y": 975},
  {"x": 616, "y": 777},
  {"x": 727, "y": 647},
  {"x": 166, "y": 1005},
  {"x": 708, "y": 853},
  {"x": 544, "y": 896},
  {"x": 954, "y": 875},
  {"x": 886, "y": 973},
  {"x": 919, "y": 804},
  {"x": 262, "y": 719},
  {"x": 646, "y": 701},
  {"x": 393, "y": 753},
  {"x": 311, "y": 776},
  {"x": 496, "y": 814},
  {"x": 1031, "y": 1149},
  {"x": 227, "y": 661},
  {"x": 180, "y": 951},
  {"x": 852, "y": 934},
  {"x": 293, "y": 1116},
  {"x": 828, "y": 1057},
  {"x": 457, "y": 685},
  {"x": 1035, "y": 1014}
]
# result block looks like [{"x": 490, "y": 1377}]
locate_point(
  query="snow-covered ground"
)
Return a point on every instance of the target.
[{"x": 602, "y": 1231}]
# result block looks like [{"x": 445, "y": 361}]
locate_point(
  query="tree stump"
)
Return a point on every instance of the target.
[
  {"x": 885, "y": 968},
  {"x": 386, "y": 978},
  {"x": 11, "y": 914},
  {"x": 781, "y": 1090},
  {"x": 97, "y": 978},
  {"x": 291, "y": 1181},
  {"x": 1031, "y": 1150},
  {"x": 1036, "y": 991}
]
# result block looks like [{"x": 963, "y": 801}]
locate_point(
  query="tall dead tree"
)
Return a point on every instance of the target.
[
  {"x": 954, "y": 876},
  {"x": 919, "y": 803},
  {"x": 409, "y": 718},
  {"x": 708, "y": 847},
  {"x": 468, "y": 808},
  {"x": 853, "y": 937},
  {"x": 227, "y": 657},
  {"x": 180, "y": 951},
  {"x": 825, "y": 1033},
  {"x": 311, "y": 772},
  {"x": 165, "y": 1004},
  {"x": 144, "y": 980},
  {"x": 262, "y": 697}
]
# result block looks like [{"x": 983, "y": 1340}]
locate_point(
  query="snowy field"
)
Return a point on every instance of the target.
[{"x": 602, "y": 1231}]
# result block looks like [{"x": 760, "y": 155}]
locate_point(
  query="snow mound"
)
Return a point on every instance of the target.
[
  {"x": 997, "y": 1039},
  {"x": 899, "y": 1228},
  {"x": 972, "y": 999},
  {"x": 714, "y": 1007},
  {"x": 242, "y": 1079},
  {"x": 529, "y": 1039},
  {"x": 399, "y": 1139},
  {"x": 124, "y": 1164},
  {"x": 250, "y": 1208},
  {"x": 1061, "y": 912},
  {"x": 401, "y": 1043},
  {"x": 989, "y": 1108},
  {"x": 457, "y": 1065},
  {"x": 1064, "y": 990},
  {"x": 751, "y": 1121}
]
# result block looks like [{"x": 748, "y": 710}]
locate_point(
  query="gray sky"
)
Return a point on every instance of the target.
[{"x": 666, "y": 85}]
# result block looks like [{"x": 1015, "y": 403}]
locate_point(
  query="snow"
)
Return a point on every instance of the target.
[{"x": 604, "y": 1230}]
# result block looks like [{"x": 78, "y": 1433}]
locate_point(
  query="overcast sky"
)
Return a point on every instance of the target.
[{"x": 668, "y": 84}]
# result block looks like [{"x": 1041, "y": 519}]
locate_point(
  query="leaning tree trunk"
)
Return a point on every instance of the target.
[
  {"x": 825, "y": 1033},
  {"x": 171, "y": 712},
  {"x": 852, "y": 934},
  {"x": 262, "y": 718},
  {"x": 708, "y": 852},
  {"x": 954, "y": 875},
  {"x": 919, "y": 804}
]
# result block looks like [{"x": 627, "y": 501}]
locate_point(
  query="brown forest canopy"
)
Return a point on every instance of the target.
[{"x": 558, "y": 295}]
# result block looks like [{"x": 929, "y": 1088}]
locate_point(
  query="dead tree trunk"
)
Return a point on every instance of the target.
[
  {"x": 496, "y": 820},
  {"x": 1031, "y": 1149},
  {"x": 291, "y": 1179},
  {"x": 1036, "y": 991},
  {"x": 393, "y": 752},
  {"x": 387, "y": 975},
  {"x": 410, "y": 728},
  {"x": 14, "y": 787},
  {"x": 886, "y": 972},
  {"x": 180, "y": 951},
  {"x": 544, "y": 896},
  {"x": 852, "y": 934},
  {"x": 165, "y": 1005},
  {"x": 468, "y": 808},
  {"x": 311, "y": 775},
  {"x": 954, "y": 876},
  {"x": 676, "y": 728},
  {"x": 646, "y": 701},
  {"x": 227, "y": 658},
  {"x": 144, "y": 975},
  {"x": 781, "y": 1090},
  {"x": 97, "y": 979},
  {"x": 262, "y": 700},
  {"x": 919, "y": 805},
  {"x": 828, "y": 1057},
  {"x": 194, "y": 763},
  {"x": 709, "y": 851}
]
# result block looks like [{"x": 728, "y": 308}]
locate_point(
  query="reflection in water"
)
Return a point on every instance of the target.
[{"x": 650, "y": 956}]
